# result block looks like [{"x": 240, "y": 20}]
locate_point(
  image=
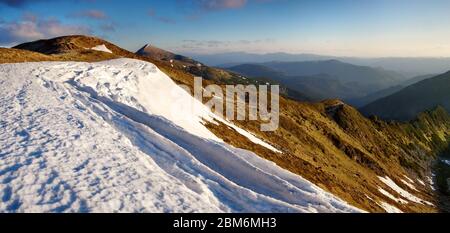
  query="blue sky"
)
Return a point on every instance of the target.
[{"x": 368, "y": 28}]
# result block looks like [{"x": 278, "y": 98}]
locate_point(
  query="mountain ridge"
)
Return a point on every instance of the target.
[
  {"x": 410, "y": 101},
  {"x": 332, "y": 145},
  {"x": 405, "y": 65},
  {"x": 334, "y": 79}
]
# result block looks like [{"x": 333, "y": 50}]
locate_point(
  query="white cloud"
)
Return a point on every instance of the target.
[
  {"x": 33, "y": 28},
  {"x": 91, "y": 14}
]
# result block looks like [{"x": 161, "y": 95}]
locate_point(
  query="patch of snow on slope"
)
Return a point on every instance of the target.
[
  {"x": 389, "y": 182},
  {"x": 248, "y": 135},
  {"x": 410, "y": 185},
  {"x": 67, "y": 147},
  {"x": 390, "y": 208},
  {"x": 446, "y": 161},
  {"x": 421, "y": 182},
  {"x": 431, "y": 182},
  {"x": 386, "y": 206},
  {"x": 102, "y": 48},
  {"x": 387, "y": 194},
  {"x": 408, "y": 179}
]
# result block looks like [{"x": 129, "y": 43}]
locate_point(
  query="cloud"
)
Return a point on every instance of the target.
[
  {"x": 195, "y": 9},
  {"x": 16, "y": 3},
  {"x": 23, "y": 3},
  {"x": 221, "y": 4},
  {"x": 33, "y": 28},
  {"x": 108, "y": 27},
  {"x": 152, "y": 13},
  {"x": 216, "y": 5},
  {"x": 166, "y": 20},
  {"x": 204, "y": 6},
  {"x": 29, "y": 17},
  {"x": 90, "y": 14},
  {"x": 223, "y": 45}
]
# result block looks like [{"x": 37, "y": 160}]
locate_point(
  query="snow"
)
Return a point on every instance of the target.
[
  {"x": 408, "y": 182},
  {"x": 248, "y": 135},
  {"x": 98, "y": 137},
  {"x": 421, "y": 182},
  {"x": 389, "y": 208},
  {"x": 408, "y": 179},
  {"x": 387, "y": 194},
  {"x": 102, "y": 48},
  {"x": 409, "y": 185},
  {"x": 405, "y": 194},
  {"x": 368, "y": 197},
  {"x": 446, "y": 161},
  {"x": 151, "y": 91},
  {"x": 431, "y": 182}
]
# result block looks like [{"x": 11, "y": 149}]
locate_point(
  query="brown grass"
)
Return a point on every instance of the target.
[
  {"x": 345, "y": 152},
  {"x": 18, "y": 55}
]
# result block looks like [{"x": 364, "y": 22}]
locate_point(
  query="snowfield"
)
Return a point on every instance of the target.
[{"x": 102, "y": 137}]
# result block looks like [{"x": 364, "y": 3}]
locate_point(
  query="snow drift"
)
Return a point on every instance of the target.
[
  {"x": 102, "y": 48},
  {"x": 101, "y": 137}
]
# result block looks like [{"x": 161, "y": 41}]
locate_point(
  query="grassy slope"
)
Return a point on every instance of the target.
[
  {"x": 345, "y": 152},
  {"x": 18, "y": 55},
  {"x": 329, "y": 143}
]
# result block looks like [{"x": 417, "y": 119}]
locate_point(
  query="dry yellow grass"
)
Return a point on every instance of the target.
[{"x": 18, "y": 55}]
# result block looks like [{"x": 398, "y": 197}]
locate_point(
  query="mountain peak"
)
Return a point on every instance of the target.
[
  {"x": 149, "y": 45},
  {"x": 152, "y": 51},
  {"x": 66, "y": 44}
]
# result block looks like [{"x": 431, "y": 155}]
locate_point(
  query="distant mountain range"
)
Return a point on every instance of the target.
[
  {"x": 323, "y": 79},
  {"x": 236, "y": 58},
  {"x": 406, "y": 66},
  {"x": 344, "y": 72},
  {"x": 410, "y": 101},
  {"x": 362, "y": 101}
]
